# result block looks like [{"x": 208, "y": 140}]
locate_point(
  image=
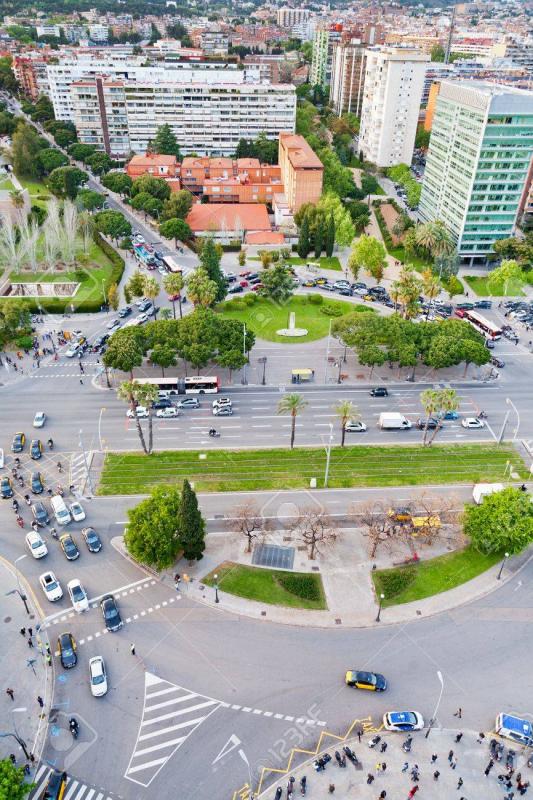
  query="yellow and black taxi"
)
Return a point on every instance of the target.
[
  {"x": 55, "y": 787},
  {"x": 371, "y": 681},
  {"x": 37, "y": 483},
  {"x": 19, "y": 440},
  {"x": 66, "y": 645},
  {"x": 402, "y": 514},
  {"x": 36, "y": 449},
  {"x": 6, "y": 487},
  {"x": 69, "y": 547}
]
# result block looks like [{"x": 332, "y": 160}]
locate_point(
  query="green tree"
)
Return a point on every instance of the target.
[
  {"x": 99, "y": 163},
  {"x": 66, "y": 181},
  {"x": 90, "y": 200},
  {"x": 360, "y": 214},
  {"x": 330, "y": 236},
  {"x": 201, "y": 289},
  {"x": 113, "y": 224},
  {"x": 431, "y": 287},
  {"x": 408, "y": 288},
  {"x": 64, "y": 136},
  {"x": 422, "y": 138},
  {"x": 370, "y": 355},
  {"x": 113, "y": 297},
  {"x": 140, "y": 200},
  {"x": 153, "y": 207},
  {"x": 330, "y": 204},
  {"x": 127, "y": 391},
  {"x": 370, "y": 254},
  {"x": 81, "y": 152},
  {"x": 25, "y": 148},
  {"x": 163, "y": 356},
  {"x": 241, "y": 258},
  {"x": 51, "y": 159},
  {"x": 157, "y": 187},
  {"x": 277, "y": 283},
  {"x": 502, "y": 522},
  {"x": 292, "y": 404},
  {"x": 445, "y": 267},
  {"x": 123, "y": 353},
  {"x": 507, "y": 248},
  {"x": 151, "y": 290},
  {"x": 473, "y": 352},
  {"x": 135, "y": 285},
  {"x": 507, "y": 275},
  {"x": 437, "y": 52},
  {"x": 173, "y": 284},
  {"x": 152, "y": 535},
  {"x": 345, "y": 410},
  {"x": 118, "y": 182},
  {"x": 12, "y": 781},
  {"x": 165, "y": 142},
  {"x": 177, "y": 206},
  {"x": 304, "y": 245},
  {"x": 435, "y": 238},
  {"x": 176, "y": 229},
  {"x": 232, "y": 360},
  {"x": 191, "y": 524},
  {"x": 318, "y": 239},
  {"x": 210, "y": 260}
]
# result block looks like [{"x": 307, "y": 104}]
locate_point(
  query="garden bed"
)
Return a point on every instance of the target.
[{"x": 275, "y": 587}]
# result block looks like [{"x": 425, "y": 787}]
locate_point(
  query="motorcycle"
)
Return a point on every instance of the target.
[
  {"x": 374, "y": 741},
  {"x": 214, "y": 433},
  {"x": 406, "y": 746},
  {"x": 15, "y": 505},
  {"x": 351, "y": 755},
  {"x": 482, "y": 415},
  {"x": 60, "y": 491},
  {"x": 50, "y": 444},
  {"x": 509, "y": 762},
  {"x": 74, "y": 727},
  {"x": 341, "y": 760}
]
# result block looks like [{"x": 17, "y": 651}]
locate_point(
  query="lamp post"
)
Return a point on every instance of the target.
[
  {"x": 244, "y": 378},
  {"x": 100, "y": 427},
  {"x": 103, "y": 291},
  {"x": 19, "y": 741},
  {"x": 434, "y": 717},
  {"x": 505, "y": 557},
  {"x": 215, "y": 576},
  {"x": 381, "y": 599},
  {"x": 510, "y": 403},
  {"x": 328, "y": 454},
  {"x": 263, "y": 361}
]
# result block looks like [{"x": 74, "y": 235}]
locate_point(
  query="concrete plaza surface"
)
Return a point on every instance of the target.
[{"x": 471, "y": 756}]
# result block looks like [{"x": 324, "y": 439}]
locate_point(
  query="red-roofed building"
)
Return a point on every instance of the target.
[
  {"x": 160, "y": 166},
  {"x": 302, "y": 171},
  {"x": 228, "y": 221}
]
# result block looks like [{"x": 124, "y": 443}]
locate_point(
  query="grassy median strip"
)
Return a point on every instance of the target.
[
  {"x": 249, "y": 470},
  {"x": 278, "y": 588},
  {"x": 427, "y": 578}
]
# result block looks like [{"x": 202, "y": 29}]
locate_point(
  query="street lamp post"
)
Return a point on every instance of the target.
[
  {"x": 381, "y": 599},
  {"x": 100, "y": 427},
  {"x": 510, "y": 403},
  {"x": 244, "y": 378},
  {"x": 19, "y": 741},
  {"x": 216, "y": 588},
  {"x": 263, "y": 361},
  {"x": 434, "y": 717},
  {"x": 328, "y": 454},
  {"x": 505, "y": 557}
]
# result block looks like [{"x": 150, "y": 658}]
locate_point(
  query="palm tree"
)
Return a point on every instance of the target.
[
  {"x": 292, "y": 404},
  {"x": 127, "y": 391},
  {"x": 431, "y": 402},
  {"x": 151, "y": 290},
  {"x": 146, "y": 394},
  {"x": 345, "y": 410},
  {"x": 435, "y": 238},
  {"x": 448, "y": 401},
  {"x": 173, "y": 283},
  {"x": 431, "y": 287}
]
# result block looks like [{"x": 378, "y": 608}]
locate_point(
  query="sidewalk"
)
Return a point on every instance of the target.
[
  {"x": 472, "y": 759},
  {"x": 22, "y": 669}
]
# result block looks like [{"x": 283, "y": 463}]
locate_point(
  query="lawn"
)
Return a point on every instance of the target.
[
  {"x": 480, "y": 286},
  {"x": 427, "y": 578},
  {"x": 249, "y": 470},
  {"x": 276, "y": 587},
  {"x": 418, "y": 263},
  {"x": 35, "y": 188},
  {"x": 326, "y": 262},
  {"x": 265, "y": 317}
]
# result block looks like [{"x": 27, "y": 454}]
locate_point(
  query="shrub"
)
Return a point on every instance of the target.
[
  {"x": 315, "y": 299},
  {"x": 24, "y": 342},
  {"x": 331, "y": 311},
  {"x": 249, "y": 299},
  {"x": 300, "y": 585},
  {"x": 453, "y": 285},
  {"x": 395, "y": 581},
  {"x": 116, "y": 260}
]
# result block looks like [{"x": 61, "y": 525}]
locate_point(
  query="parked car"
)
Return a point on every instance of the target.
[
  {"x": 497, "y": 362},
  {"x": 379, "y": 391},
  {"x": 39, "y": 419},
  {"x": 92, "y": 540}
]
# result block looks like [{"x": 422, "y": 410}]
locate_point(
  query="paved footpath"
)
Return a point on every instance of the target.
[{"x": 466, "y": 781}]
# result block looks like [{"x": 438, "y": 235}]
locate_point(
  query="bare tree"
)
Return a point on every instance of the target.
[
  {"x": 379, "y": 528},
  {"x": 315, "y": 529},
  {"x": 52, "y": 234},
  {"x": 69, "y": 232},
  {"x": 29, "y": 238},
  {"x": 11, "y": 249},
  {"x": 435, "y": 516},
  {"x": 247, "y": 520}
]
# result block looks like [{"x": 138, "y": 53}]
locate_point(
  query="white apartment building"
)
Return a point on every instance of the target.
[
  {"x": 347, "y": 78},
  {"x": 98, "y": 33},
  {"x": 207, "y": 117},
  {"x": 287, "y": 17},
  {"x": 478, "y": 161},
  {"x": 48, "y": 30},
  {"x": 394, "y": 80}
]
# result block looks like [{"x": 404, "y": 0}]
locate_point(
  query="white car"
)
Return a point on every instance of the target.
[
  {"x": 403, "y": 721},
  {"x": 97, "y": 676},
  {"x": 113, "y": 325},
  {"x": 188, "y": 402},
  {"x": 36, "y": 545},
  {"x": 167, "y": 413},
  {"x": 472, "y": 422},
  {"x": 141, "y": 301},
  {"x": 162, "y": 270},
  {"x": 51, "y": 586},
  {"x": 141, "y": 318},
  {"x": 39, "y": 419},
  {"x": 353, "y": 426},
  {"x": 73, "y": 350},
  {"x": 78, "y": 596},
  {"x": 222, "y": 411},
  {"x": 78, "y": 514},
  {"x": 142, "y": 413},
  {"x": 222, "y": 401}
]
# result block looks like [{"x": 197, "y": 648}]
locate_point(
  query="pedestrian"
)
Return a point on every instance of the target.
[
  {"x": 13, "y": 758},
  {"x": 48, "y": 660},
  {"x": 11, "y": 693},
  {"x": 413, "y": 791},
  {"x": 40, "y": 701},
  {"x": 32, "y": 758},
  {"x": 132, "y": 649},
  {"x": 480, "y": 738},
  {"x": 459, "y": 712},
  {"x": 359, "y": 734},
  {"x": 382, "y": 795},
  {"x": 383, "y": 766},
  {"x": 30, "y": 643},
  {"x": 436, "y": 775},
  {"x": 26, "y": 769},
  {"x": 378, "y": 767},
  {"x": 22, "y": 631},
  {"x": 331, "y": 788},
  {"x": 369, "y": 778},
  {"x": 30, "y": 631},
  {"x": 383, "y": 747},
  {"x": 489, "y": 767},
  {"x": 460, "y": 783},
  {"x": 434, "y": 758},
  {"x": 453, "y": 763},
  {"x": 81, "y": 381},
  {"x": 458, "y": 738},
  {"x": 405, "y": 766},
  {"x": 81, "y": 368},
  {"x": 450, "y": 756}
]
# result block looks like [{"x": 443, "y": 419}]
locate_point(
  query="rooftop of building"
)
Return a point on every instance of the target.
[
  {"x": 299, "y": 152},
  {"x": 228, "y": 216},
  {"x": 153, "y": 159}
]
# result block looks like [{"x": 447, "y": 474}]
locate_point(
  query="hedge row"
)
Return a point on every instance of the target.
[
  {"x": 117, "y": 261},
  {"x": 387, "y": 238}
]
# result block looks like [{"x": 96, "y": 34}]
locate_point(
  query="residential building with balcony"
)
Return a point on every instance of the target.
[
  {"x": 347, "y": 78},
  {"x": 302, "y": 172}
]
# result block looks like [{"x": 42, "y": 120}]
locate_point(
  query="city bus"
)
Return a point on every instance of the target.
[
  {"x": 483, "y": 325},
  {"x": 171, "y": 264},
  {"x": 169, "y": 387}
]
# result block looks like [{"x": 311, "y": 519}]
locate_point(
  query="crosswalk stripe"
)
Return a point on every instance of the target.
[
  {"x": 154, "y": 747},
  {"x": 170, "y": 728},
  {"x": 71, "y": 790},
  {"x": 178, "y": 713},
  {"x": 75, "y": 789},
  {"x": 157, "y": 763},
  {"x": 91, "y": 794},
  {"x": 170, "y": 702}
]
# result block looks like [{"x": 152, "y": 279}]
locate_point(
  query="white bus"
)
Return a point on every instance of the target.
[
  {"x": 171, "y": 264},
  {"x": 169, "y": 387},
  {"x": 483, "y": 325}
]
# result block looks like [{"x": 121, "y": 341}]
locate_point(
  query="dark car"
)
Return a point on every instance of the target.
[
  {"x": 346, "y": 291},
  {"x": 17, "y": 445},
  {"x": 483, "y": 304},
  {"x": 379, "y": 391},
  {"x": 55, "y": 787},
  {"x": 69, "y": 547},
  {"x": 465, "y": 306},
  {"x": 40, "y": 514},
  {"x": 36, "y": 449},
  {"x": 145, "y": 305},
  {"x": 99, "y": 342},
  {"x": 431, "y": 422},
  {"x": 67, "y": 650},
  {"x": 124, "y": 312},
  {"x": 377, "y": 290},
  {"x": 37, "y": 485},
  {"x": 235, "y": 290},
  {"x": 92, "y": 540},
  {"x": 230, "y": 278},
  {"x": 6, "y": 489},
  {"x": 497, "y": 362},
  {"x": 444, "y": 311},
  {"x": 371, "y": 681},
  {"x": 110, "y": 612},
  {"x": 163, "y": 402}
]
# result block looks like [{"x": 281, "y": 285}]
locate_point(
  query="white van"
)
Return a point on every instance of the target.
[{"x": 61, "y": 512}]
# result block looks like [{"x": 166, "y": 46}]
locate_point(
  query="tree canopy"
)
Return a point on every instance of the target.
[
  {"x": 152, "y": 533},
  {"x": 502, "y": 522}
]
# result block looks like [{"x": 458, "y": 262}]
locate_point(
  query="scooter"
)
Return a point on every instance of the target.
[
  {"x": 214, "y": 433},
  {"x": 374, "y": 741},
  {"x": 74, "y": 727}
]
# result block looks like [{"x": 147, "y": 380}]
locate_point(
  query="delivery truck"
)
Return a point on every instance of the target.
[{"x": 393, "y": 421}]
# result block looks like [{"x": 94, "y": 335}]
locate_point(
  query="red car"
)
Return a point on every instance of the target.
[
  {"x": 257, "y": 287},
  {"x": 244, "y": 284},
  {"x": 173, "y": 297},
  {"x": 459, "y": 313},
  {"x": 245, "y": 273}
]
